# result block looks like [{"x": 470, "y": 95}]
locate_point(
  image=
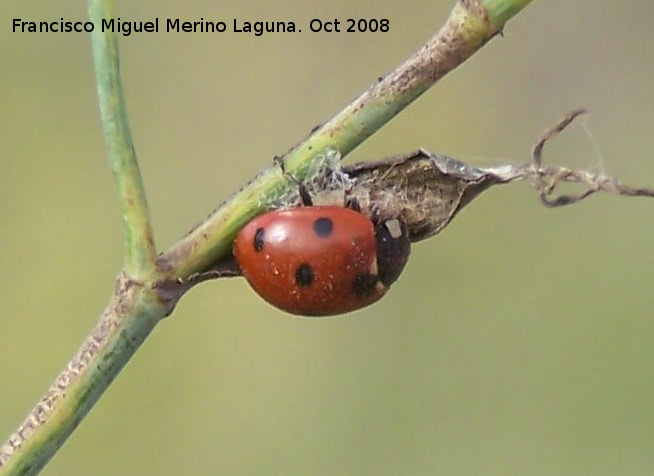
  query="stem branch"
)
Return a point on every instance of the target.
[{"x": 140, "y": 253}]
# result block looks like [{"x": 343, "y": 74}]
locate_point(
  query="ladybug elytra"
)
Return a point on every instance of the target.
[{"x": 321, "y": 260}]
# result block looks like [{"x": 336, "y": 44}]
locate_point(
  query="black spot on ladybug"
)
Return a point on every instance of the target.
[
  {"x": 323, "y": 227},
  {"x": 364, "y": 284},
  {"x": 393, "y": 249},
  {"x": 259, "y": 236},
  {"x": 304, "y": 275}
]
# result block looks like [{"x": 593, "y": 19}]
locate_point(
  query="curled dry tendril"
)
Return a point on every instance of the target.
[{"x": 546, "y": 178}]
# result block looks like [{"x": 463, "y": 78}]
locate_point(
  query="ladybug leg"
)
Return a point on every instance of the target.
[
  {"x": 302, "y": 189},
  {"x": 372, "y": 212},
  {"x": 375, "y": 214},
  {"x": 352, "y": 203}
]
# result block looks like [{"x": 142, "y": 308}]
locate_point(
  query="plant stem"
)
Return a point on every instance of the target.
[
  {"x": 501, "y": 11},
  {"x": 140, "y": 253}
]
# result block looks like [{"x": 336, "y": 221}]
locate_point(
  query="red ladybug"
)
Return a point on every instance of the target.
[{"x": 321, "y": 260}]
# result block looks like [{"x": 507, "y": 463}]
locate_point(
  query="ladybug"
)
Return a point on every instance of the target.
[{"x": 321, "y": 260}]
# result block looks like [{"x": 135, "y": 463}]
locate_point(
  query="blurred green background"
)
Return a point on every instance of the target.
[{"x": 519, "y": 341}]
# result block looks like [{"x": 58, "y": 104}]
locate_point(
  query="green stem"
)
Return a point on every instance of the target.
[
  {"x": 501, "y": 11},
  {"x": 140, "y": 253}
]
